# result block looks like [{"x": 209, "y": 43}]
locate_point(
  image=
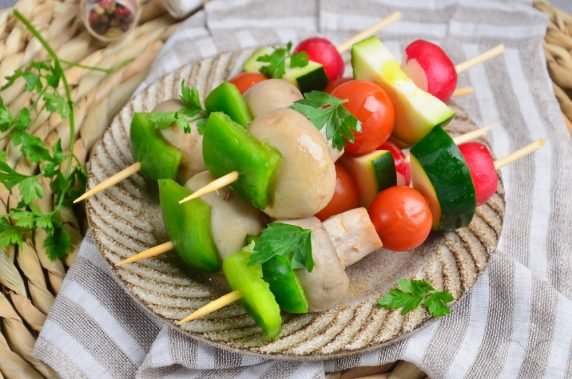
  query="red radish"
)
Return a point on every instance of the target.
[
  {"x": 323, "y": 51},
  {"x": 482, "y": 167},
  {"x": 402, "y": 167},
  {"x": 430, "y": 68}
]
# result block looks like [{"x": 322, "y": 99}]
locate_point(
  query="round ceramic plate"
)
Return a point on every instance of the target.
[{"x": 126, "y": 219}]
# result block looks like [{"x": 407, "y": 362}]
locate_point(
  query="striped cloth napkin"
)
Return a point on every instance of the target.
[{"x": 516, "y": 321}]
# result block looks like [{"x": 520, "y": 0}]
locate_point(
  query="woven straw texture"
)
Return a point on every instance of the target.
[{"x": 28, "y": 280}]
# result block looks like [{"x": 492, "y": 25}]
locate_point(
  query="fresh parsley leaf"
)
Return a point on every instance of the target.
[
  {"x": 23, "y": 119},
  {"x": 10, "y": 234},
  {"x": 436, "y": 303},
  {"x": 6, "y": 117},
  {"x": 23, "y": 218},
  {"x": 8, "y": 176},
  {"x": 30, "y": 189},
  {"x": 57, "y": 104},
  {"x": 182, "y": 122},
  {"x": 44, "y": 221},
  {"x": 58, "y": 243},
  {"x": 190, "y": 97},
  {"x": 279, "y": 58},
  {"x": 54, "y": 76},
  {"x": 192, "y": 109},
  {"x": 300, "y": 59},
  {"x": 325, "y": 110},
  {"x": 413, "y": 292},
  {"x": 33, "y": 148},
  {"x": 286, "y": 240}
]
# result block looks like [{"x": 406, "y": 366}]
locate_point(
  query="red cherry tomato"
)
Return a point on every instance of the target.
[
  {"x": 245, "y": 80},
  {"x": 482, "y": 167},
  {"x": 323, "y": 51},
  {"x": 401, "y": 217},
  {"x": 371, "y": 105},
  {"x": 332, "y": 85},
  {"x": 402, "y": 166},
  {"x": 346, "y": 195}
]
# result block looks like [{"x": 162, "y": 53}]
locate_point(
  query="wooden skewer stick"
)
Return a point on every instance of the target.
[
  {"x": 464, "y": 66},
  {"x": 111, "y": 181},
  {"x": 463, "y": 91},
  {"x": 215, "y": 185},
  {"x": 152, "y": 252},
  {"x": 520, "y": 153},
  {"x": 214, "y": 305},
  {"x": 470, "y": 136},
  {"x": 346, "y": 45}
]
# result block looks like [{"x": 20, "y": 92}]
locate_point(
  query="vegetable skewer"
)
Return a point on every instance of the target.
[
  {"x": 353, "y": 236},
  {"x": 154, "y": 135},
  {"x": 234, "y": 295},
  {"x": 233, "y": 176},
  {"x": 136, "y": 167}
]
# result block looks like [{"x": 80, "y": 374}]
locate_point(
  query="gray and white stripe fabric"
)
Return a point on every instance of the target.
[{"x": 515, "y": 322}]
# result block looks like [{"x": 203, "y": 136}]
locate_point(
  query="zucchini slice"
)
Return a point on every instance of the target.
[
  {"x": 307, "y": 78},
  {"x": 439, "y": 172},
  {"x": 372, "y": 172}
]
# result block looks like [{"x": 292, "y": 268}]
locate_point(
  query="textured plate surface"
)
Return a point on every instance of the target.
[{"x": 126, "y": 219}]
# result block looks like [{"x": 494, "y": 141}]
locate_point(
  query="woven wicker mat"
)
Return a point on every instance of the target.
[{"x": 29, "y": 282}]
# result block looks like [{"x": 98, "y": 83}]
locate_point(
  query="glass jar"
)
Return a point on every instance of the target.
[{"x": 110, "y": 20}]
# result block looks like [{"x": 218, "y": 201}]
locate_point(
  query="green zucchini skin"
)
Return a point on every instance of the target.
[
  {"x": 450, "y": 178},
  {"x": 384, "y": 168},
  {"x": 314, "y": 80}
]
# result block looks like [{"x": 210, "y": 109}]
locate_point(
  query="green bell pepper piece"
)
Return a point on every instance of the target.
[
  {"x": 229, "y": 147},
  {"x": 188, "y": 226},
  {"x": 159, "y": 160},
  {"x": 285, "y": 285},
  {"x": 255, "y": 293},
  {"x": 226, "y": 98}
]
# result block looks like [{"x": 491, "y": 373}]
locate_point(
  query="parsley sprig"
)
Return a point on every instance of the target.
[
  {"x": 325, "y": 110},
  {"x": 411, "y": 293},
  {"x": 286, "y": 240},
  {"x": 55, "y": 167},
  {"x": 279, "y": 58}
]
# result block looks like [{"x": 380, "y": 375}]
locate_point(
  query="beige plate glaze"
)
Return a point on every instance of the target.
[{"x": 126, "y": 219}]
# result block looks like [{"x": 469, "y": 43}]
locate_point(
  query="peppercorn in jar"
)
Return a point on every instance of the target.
[{"x": 110, "y": 20}]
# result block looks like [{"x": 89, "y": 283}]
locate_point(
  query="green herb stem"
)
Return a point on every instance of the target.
[
  {"x": 109, "y": 70},
  {"x": 58, "y": 65}
]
